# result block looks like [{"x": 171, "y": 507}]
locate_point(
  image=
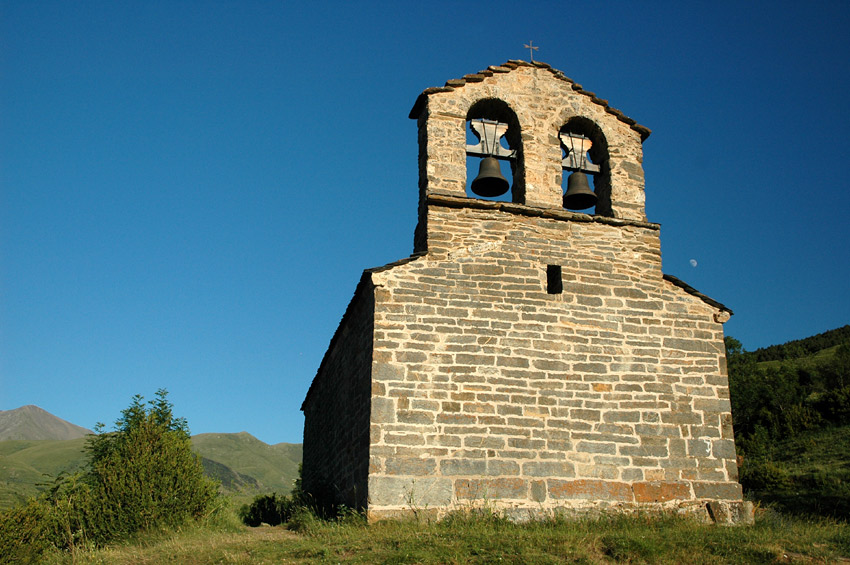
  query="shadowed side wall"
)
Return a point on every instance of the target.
[{"x": 337, "y": 407}]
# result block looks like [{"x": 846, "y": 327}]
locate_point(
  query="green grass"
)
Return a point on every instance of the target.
[{"x": 463, "y": 539}]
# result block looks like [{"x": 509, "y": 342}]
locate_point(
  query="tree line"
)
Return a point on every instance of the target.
[{"x": 802, "y": 347}]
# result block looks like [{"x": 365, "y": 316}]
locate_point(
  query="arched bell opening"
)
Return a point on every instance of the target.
[
  {"x": 586, "y": 179},
  {"x": 493, "y": 152}
]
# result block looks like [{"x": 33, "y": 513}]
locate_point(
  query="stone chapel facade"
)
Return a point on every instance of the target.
[{"x": 525, "y": 357}]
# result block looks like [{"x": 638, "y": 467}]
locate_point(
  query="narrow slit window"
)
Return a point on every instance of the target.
[{"x": 554, "y": 283}]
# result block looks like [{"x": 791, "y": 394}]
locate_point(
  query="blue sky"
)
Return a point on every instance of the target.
[{"x": 189, "y": 191}]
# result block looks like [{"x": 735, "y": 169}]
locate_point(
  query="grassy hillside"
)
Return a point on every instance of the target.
[
  {"x": 803, "y": 347},
  {"x": 231, "y": 481},
  {"x": 274, "y": 467},
  {"x": 26, "y": 464},
  {"x": 245, "y": 465}
]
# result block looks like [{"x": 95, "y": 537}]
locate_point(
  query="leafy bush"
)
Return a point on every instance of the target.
[
  {"x": 763, "y": 474},
  {"x": 141, "y": 476},
  {"x": 272, "y": 509},
  {"x": 22, "y": 533},
  {"x": 834, "y": 405},
  {"x": 268, "y": 509},
  {"x": 145, "y": 474}
]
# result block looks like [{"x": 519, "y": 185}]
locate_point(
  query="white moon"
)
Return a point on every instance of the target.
[{"x": 693, "y": 262}]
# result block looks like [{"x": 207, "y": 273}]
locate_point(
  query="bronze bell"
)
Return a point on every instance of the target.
[
  {"x": 490, "y": 181},
  {"x": 579, "y": 194}
]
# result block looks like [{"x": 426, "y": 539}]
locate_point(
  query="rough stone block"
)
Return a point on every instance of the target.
[
  {"x": 696, "y": 345},
  {"x": 621, "y": 416},
  {"x": 590, "y": 489},
  {"x": 599, "y": 368},
  {"x": 716, "y": 405},
  {"x": 410, "y": 492},
  {"x": 383, "y": 410},
  {"x": 401, "y": 438},
  {"x": 414, "y": 466},
  {"x": 718, "y": 491},
  {"x": 538, "y": 491},
  {"x": 586, "y": 415},
  {"x": 388, "y": 372},
  {"x": 597, "y": 447},
  {"x": 698, "y": 447},
  {"x": 489, "y": 489},
  {"x": 723, "y": 448},
  {"x": 416, "y": 417},
  {"x": 657, "y": 491},
  {"x": 561, "y": 469}
]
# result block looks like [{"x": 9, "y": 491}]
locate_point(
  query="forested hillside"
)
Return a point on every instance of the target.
[
  {"x": 803, "y": 347},
  {"x": 791, "y": 412}
]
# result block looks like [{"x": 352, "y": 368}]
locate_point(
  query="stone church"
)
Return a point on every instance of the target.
[{"x": 527, "y": 356}]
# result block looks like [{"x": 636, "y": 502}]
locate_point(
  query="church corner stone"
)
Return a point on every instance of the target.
[{"x": 526, "y": 357}]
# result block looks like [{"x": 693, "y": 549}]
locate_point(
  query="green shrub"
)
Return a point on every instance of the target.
[
  {"x": 145, "y": 474},
  {"x": 834, "y": 405},
  {"x": 270, "y": 509},
  {"x": 299, "y": 509},
  {"x": 23, "y": 533},
  {"x": 763, "y": 474}
]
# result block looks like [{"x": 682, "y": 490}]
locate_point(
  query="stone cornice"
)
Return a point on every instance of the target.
[
  {"x": 523, "y": 210},
  {"x": 453, "y": 84}
]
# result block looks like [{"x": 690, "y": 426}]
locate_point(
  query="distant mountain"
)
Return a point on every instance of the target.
[{"x": 32, "y": 423}]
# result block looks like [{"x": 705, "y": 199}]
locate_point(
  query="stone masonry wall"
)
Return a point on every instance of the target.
[
  {"x": 488, "y": 389},
  {"x": 336, "y": 410}
]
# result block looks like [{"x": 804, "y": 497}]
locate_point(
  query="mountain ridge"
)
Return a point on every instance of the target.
[{"x": 31, "y": 422}]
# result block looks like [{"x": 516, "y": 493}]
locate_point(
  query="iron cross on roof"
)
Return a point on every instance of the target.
[{"x": 531, "y": 49}]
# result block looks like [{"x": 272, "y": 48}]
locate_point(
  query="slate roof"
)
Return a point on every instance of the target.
[
  {"x": 509, "y": 66},
  {"x": 691, "y": 290}
]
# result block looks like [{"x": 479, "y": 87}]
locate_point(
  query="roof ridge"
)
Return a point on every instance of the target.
[{"x": 513, "y": 64}]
